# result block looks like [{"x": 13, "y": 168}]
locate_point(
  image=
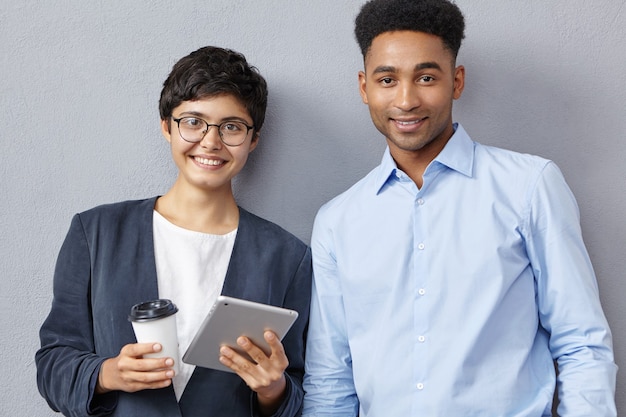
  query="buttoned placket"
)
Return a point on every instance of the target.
[{"x": 420, "y": 279}]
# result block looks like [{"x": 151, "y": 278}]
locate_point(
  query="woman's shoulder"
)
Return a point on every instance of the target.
[
  {"x": 129, "y": 209},
  {"x": 250, "y": 223}
]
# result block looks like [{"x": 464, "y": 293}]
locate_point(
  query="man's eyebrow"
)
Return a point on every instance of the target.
[
  {"x": 419, "y": 67},
  {"x": 427, "y": 65},
  {"x": 383, "y": 68}
]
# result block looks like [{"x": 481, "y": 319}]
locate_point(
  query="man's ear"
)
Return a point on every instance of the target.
[
  {"x": 166, "y": 127},
  {"x": 362, "y": 85},
  {"x": 459, "y": 81}
]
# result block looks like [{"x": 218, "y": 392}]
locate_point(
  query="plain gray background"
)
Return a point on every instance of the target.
[{"x": 80, "y": 127}]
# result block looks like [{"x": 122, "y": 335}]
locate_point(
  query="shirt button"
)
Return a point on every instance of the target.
[
  {"x": 421, "y": 291},
  {"x": 420, "y": 201},
  {"x": 420, "y": 386},
  {"x": 421, "y": 339},
  {"x": 421, "y": 246}
]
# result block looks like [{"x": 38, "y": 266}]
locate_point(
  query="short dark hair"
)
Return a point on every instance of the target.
[
  {"x": 436, "y": 17},
  {"x": 209, "y": 72}
]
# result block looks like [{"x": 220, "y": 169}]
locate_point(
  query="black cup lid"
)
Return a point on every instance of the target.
[{"x": 152, "y": 310}]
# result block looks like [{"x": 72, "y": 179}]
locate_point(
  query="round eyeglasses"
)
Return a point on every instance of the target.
[{"x": 194, "y": 129}]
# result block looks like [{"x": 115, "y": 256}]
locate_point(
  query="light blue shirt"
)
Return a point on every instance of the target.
[{"x": 453, "y": 299}]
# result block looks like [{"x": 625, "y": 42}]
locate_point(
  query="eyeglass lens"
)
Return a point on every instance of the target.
[{"x": 193, "y": 129}]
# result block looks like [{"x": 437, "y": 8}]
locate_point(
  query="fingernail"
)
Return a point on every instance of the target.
[
  {"x": 242, "y": 341},
  {"x": 169, "y": 374},
  {"x": 156, "y": 347},
  {"x": 169, "y": 362}
]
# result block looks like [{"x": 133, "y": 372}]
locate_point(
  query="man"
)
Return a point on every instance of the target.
[{"x": 450, "y": 278}]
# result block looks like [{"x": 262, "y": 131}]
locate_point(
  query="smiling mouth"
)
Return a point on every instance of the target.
[
  {"x": 206, "y": 161},
  {"x": 408, "y": 122}
]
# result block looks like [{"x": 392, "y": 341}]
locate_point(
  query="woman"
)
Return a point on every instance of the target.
[{"x": 189, "y": 245}]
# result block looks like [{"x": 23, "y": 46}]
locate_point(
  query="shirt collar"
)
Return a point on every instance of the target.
[{"x": 458, "y": 154}]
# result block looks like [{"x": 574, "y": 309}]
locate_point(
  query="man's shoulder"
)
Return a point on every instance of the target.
[
  {"x": 357, "y": 194},
  {"x": 506, "y": 160},
  {"x": 490, "y": 157}
]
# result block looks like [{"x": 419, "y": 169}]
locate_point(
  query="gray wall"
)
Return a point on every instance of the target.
[{"x": 78, "y": 109}]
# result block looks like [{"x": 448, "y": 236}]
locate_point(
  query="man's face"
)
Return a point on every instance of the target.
[{"x": 409, "y": 84}]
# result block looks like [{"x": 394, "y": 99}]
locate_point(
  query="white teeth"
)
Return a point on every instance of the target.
[
  {"x": 205, "y": 161},
  {"x": 412, "y": 122}
]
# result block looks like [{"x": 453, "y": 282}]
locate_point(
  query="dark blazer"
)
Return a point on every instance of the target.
[{"x": 107, "y": 264}]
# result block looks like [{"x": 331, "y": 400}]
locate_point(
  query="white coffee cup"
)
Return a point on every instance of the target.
[{"x": 155, "y": 322}]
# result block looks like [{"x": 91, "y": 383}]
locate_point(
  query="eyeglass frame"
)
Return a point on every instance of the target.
[{"x": 208, "y": 125}]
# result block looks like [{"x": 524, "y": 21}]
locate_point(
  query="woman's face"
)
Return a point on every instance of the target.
[{"x": 209, "y": 165}]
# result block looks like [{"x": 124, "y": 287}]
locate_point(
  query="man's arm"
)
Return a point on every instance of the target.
[
  {"x": 568, "y": 301},
  {"x": 328, "y": 383}
]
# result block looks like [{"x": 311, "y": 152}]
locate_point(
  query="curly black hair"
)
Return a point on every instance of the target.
[
  {"x": 209, "y": 72},
  {"x": 436, "y": 17}
]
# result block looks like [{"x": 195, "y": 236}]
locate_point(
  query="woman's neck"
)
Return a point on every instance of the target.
[{"x": 214, "y": 213}]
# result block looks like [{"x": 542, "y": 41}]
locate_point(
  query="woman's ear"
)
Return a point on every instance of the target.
[
  {"x": 255, "y": 140},
  {"x": 166, "y": 127}
]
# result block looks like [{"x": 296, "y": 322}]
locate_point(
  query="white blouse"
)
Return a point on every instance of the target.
[{"x": 191, "y": 268}]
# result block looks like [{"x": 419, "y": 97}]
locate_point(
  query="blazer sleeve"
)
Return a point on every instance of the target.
[
  {"x": 298, "y": 297},
  {"x": 67, "y": 367}
]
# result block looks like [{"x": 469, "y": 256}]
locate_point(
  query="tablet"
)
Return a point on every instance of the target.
[{"x": 230, "y": 318}]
